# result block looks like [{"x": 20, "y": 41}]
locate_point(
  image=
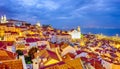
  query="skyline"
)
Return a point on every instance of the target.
[
  {"x": 59, "y": 34},
  {"x": 68, "y": 13}
]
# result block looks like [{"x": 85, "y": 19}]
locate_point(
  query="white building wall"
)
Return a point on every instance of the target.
[
  {"x": 68, "y": 49},
  {"x": 23, "y": 61},
  {"x": 40, "y": 43},
  {"x": 106, "y": 64},
  {"x": 35, "y": 63},
  {"x": 33, "y": 44}
]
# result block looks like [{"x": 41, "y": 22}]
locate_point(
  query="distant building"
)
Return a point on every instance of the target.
[
  {"x": 63, "y": 38},
  {"x": 53, "y": 38},
  {"x": 3, "y": 19},
  {"x": 76, "y": 34},
  {"x": 17, "y": 22},
  {"x": 38, "y": 24},
  {"x": 58, "y": 38}
]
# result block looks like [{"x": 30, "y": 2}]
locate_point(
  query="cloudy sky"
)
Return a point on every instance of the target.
[{"x": 65, "y": 13}]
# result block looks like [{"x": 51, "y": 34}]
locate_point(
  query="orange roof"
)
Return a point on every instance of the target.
[
  {"x": 71, "y": 55},
  {"x": 11, "y": 64},
  {"x": 6, "y": 55},
  {"x": 48, "y": 53}
]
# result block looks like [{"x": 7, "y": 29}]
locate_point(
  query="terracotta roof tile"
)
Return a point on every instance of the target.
[
  {"x": 6, "y": 55},
  {"x": 53, "y": 54}
]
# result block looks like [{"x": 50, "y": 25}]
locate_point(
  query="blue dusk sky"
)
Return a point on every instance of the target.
[{"x": 64, "y": 13}]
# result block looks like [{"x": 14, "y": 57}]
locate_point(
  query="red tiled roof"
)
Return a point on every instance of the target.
[
  {"x": 84, "y": 59},
  {"x": 6, "y": 55},
  {"x": 25, "y": 51},
  {"x": 96, "y": 64},
  {"x": 52, "y": 45},
  {"x": 32, "y": 35},
  {"x": 27, "y": 44},
  {"x": 71, "y": 55},
  {"x": 79, "y": 51},
  {"x": 10, "y": 43},
  {"x": 3, "y": 44},
  {"x": 92, "y": 55},
  {"x": 14, "y": 33},
  {"x": 66, "y": 34},
  {"x": 53, "y": 54},
  {"x": 7, "y": 31},
  {"x": 35, "y": 35},
  {"x": 29, "y": 40},
  {"x": 42, "y": 47}
]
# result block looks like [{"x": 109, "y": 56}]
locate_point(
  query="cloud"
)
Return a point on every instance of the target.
[
  {"x": 85, "y": 9},
  {"x": 26, "y": 3},
  {"x": 64, "y": 17},
  {"x": 56, "y": 12},
  {"x": 38, "y": 4},
  {"x": 48, "y": 4},
  {"x": 94, "y": 5}
]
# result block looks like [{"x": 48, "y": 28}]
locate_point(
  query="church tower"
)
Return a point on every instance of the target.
[
  {"x": 78, "y": 29},
  {"x": 3, "y": 19}
]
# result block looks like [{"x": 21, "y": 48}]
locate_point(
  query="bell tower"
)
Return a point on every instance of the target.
[
  {"x": 78, "y": 28},
  {"x": 3, "y": 19}
]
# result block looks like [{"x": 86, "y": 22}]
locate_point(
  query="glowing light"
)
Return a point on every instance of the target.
[{"x": 82, "y": 43}]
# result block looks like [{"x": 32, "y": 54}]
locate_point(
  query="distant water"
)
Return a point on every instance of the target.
[{"x": 108, "y": 32}]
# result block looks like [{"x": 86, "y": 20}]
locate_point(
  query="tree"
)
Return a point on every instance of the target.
[
  {"x": 32, "y": 51},
  {"x": 28, "y": 60},
  {"x": 19, "y": 52}
]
